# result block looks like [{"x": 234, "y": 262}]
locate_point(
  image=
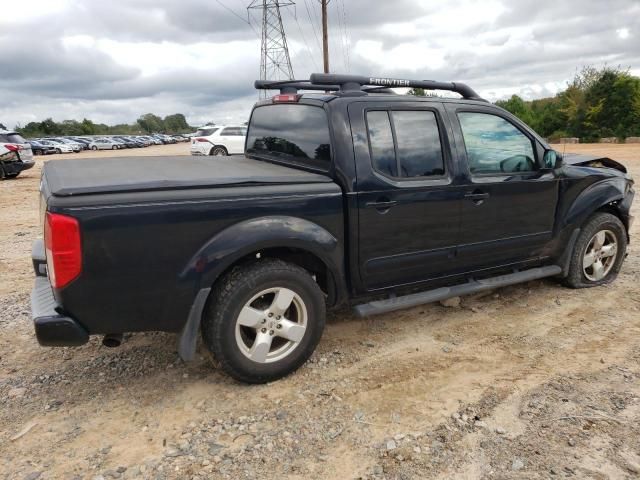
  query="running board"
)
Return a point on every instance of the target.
[{"x": 398, "y": 303}]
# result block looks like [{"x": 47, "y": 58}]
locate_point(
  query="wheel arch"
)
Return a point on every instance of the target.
[
  {"x": 605, "y": 196},
  {"x": 291, "y": 239}
]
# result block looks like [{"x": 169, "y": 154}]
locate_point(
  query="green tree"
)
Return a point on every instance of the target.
[
  {"x": 176, "y": 123},
  {"x": 151, "y": 123}
]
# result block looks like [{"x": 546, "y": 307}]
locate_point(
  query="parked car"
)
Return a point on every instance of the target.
[
  {"x": 104, "y": 144},
  {"x": 75, "y": 146},
  {"x": 219, "y": 140},
  {"x": 128, "y": 143},
  {"x": 374, "y": 200},
  {"x": 59, "y": 147},
  {"x": 15, "y": 155},
  {"x": 82, "y": 141},
  {"x": 39, "y": 148}
]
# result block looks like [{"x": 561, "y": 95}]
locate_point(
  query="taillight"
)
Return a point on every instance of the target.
[
  {"x": 13, "y": 148},
  {"x": 63, "y": 248},
  {"x": 286, "y": 98},
  {"x": 202, "y": 140}
]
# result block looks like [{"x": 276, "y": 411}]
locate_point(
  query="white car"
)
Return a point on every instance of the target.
[
  {"x": 59, "y": 146},
  {"x": 219, "y": 140}
]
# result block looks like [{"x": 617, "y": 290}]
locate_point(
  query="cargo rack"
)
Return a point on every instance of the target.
[{"x": 357, "y": 85}]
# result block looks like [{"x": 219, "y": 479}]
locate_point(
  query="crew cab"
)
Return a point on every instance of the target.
[{"x": 348, "y": 194}]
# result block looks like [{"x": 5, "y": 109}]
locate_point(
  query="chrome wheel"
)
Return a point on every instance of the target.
[
  {"x": 600, "y": 255},
  {"x": 271, "y": 325}
]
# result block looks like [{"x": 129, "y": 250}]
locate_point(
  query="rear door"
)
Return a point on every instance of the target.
[
  {"x": 407, "y": 197},
  {"x": 233, "y": 139},
  {"x": 510, "y": 199}
]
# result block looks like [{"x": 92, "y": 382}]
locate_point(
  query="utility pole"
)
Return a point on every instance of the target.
[
  {"x": 325, "y": 36},
  {"x": 275, "y": 63}
]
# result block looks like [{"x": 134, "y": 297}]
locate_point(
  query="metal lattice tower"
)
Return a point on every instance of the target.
[{"x": 275, "y": 63}]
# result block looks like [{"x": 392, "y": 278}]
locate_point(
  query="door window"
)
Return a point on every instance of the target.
[
  {"x": 405, "y": 143},
  {"x": 495, "y": 145},
  {"x": 232, "y": 132}
]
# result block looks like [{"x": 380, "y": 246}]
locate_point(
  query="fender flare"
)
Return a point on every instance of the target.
[
  {"x": 239, "y": 240},
  {"x": 592, "y": 198}
]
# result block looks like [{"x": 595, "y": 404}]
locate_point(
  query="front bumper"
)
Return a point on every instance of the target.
[{"x": 53, "y": 327}]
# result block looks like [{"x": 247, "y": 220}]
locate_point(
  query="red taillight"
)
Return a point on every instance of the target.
[
  {"x": 13, "y": 148},
  {"x": 202, "y": 140},
  {"x": 64, "y": 251},
  {"x": 286, "y": 98}
]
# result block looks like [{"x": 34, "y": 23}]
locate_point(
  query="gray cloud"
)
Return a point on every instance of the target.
[{"x": 198, "y": 58}]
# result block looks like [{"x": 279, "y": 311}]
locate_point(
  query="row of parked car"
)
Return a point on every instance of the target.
[{"x": 45, "y": 146}]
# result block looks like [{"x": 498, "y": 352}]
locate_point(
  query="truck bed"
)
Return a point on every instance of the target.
[{"x": 138, "y": 174}]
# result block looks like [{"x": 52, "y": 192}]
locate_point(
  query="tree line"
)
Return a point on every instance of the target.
[
  {"x": 147, "y": 123},
  {"x": 597, "y": 103}
]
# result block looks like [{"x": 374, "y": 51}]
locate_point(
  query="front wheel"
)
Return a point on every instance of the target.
[
  {"x": 598, "y": 253},
  {"x": 264, "y": 320}
]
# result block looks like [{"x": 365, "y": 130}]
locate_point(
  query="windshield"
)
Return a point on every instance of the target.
[{"x": 291, "y": 133}]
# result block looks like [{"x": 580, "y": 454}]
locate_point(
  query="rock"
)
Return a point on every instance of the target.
[
  {"x": 517, "y": 464},
  {"x": 16, "y": 392},
  {"x": 480, "y": 424},
  {"x": 377, "y": 470},
  {"x": 417, "y": 450},
  {"x": 446, "y": 349},
  {"x": 173, "y": 452},
  {"x": 500, "y": 431},
  {"x": 399, "y": 436},
  {"x": 632, "y": 467},
  {"x": 453, "y": 302},
  {"x": 391, "y": 445},
  {"x": 571, "y": 442}
]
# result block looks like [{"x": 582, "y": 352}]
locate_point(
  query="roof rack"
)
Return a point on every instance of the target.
[
  {"x": 356, "y": 85},
  {"x": 292, "y": 86}
]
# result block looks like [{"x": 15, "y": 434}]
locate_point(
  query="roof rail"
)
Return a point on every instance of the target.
[
  {"x": 353, "y": 84},
  {"x": 292, "y": 86}
]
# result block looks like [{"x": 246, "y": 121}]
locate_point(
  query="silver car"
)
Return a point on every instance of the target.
[{"x": 103, "y": 144}]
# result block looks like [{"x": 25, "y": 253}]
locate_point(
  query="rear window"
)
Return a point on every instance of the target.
[
  {"x": 292, "y": 133},
  {"x": 205, "y": 132},
  {"x": 11, "y": 138}
]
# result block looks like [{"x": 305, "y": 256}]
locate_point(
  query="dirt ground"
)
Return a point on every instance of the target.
[{"x": 531, "y": 381}]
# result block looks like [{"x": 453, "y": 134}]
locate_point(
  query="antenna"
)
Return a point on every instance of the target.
[{"x": 275, "y": 63}]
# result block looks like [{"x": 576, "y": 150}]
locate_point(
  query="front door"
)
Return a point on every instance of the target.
[
  {"x": 508, "y": 211},
  {"x": 408, "y": 203}
]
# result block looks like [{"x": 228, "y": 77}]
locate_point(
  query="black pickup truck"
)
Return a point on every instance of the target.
[{"x": 347, "y": 194}]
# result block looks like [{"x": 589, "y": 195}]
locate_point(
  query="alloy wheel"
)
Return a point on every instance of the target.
[{"x": 600, "y": 255}]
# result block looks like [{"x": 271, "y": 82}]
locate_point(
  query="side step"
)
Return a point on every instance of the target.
[{"x": 398, "y": 303}]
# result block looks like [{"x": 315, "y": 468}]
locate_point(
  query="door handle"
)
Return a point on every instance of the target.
[
  {"x": 477, "y": 196},
  {"x": 381, "y": 204}
]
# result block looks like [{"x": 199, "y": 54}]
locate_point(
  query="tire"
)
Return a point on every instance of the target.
[
  {"x": 218, "y": 151},
  {"x": 58, "y": 151},
  {"x": 602, "y": 241},
  {"x": 253, "y": 289},
  {"x": 11, "y": 176},
  {"x": 94, "y": 148}
]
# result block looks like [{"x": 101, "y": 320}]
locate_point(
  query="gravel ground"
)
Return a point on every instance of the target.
[{"x": 530, "y": 381}]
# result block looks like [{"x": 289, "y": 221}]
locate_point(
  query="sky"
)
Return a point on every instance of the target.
[{"x": 112, "y": 61}]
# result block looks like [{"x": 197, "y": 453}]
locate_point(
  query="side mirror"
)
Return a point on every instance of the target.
[{"x": 552, "y": 159}]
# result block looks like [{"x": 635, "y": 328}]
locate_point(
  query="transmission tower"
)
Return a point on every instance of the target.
[{"x": 275, "y": 63}]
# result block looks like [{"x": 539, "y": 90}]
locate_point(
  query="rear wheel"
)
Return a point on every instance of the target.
[
  {"x": 219, "y": 151},
  {"x": 264, "y": 320},
  {"x": 94, "y": 148},
  {"x": 598, "y": 253},
  {"x": 58, "y": 150}
]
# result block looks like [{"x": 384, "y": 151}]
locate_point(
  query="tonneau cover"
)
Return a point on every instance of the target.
[{"x": 128, "y": 174}]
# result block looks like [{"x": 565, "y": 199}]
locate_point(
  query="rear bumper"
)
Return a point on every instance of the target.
[
  {"x": 53, "y": 328},
  {"x": 17, "y": 166}
]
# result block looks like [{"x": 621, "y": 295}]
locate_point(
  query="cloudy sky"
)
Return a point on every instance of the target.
[{"x": 112, "y": 61}]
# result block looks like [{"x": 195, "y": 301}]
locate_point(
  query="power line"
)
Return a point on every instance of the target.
[
  {"x": 304, "y": 38},
  {"x": 313, "y": 25},
  {"x": 237, "y": 15}
]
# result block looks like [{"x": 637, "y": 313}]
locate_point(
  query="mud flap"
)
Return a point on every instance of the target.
[{"x": 188, "y": 338}]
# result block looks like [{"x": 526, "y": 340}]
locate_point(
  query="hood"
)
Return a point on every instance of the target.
[{"x": 593, "y": 161}]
